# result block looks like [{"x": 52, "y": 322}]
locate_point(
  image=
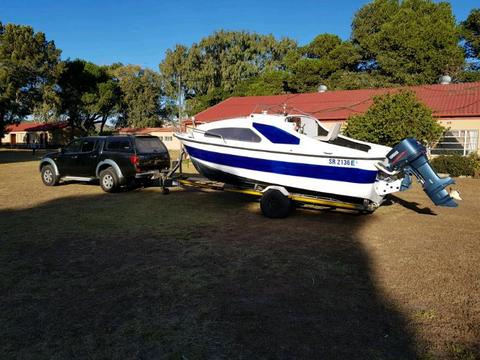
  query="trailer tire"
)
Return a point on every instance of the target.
[{"x": 275, "y": 205}]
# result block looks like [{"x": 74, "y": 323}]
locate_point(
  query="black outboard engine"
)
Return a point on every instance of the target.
[{"x": 409, "y": 156}]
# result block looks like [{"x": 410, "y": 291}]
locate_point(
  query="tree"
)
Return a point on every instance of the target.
[
  {"x": 29, "y": 67},
  {"x": 316, "y": 62},
  {"x": 140, "y": 96},
  {"x": 410, "y": 42},
  {"x": 471, "y": 34},
  {"x": 394, "y": 117},
  {"x": 88, "y": 95},
  {"x": 174, "y": 74},
  {"x": 212, "y": 69},
  {"x": 353, "y": 80},
  {"x": 367, "y": 24},
  {"x": 273, "y": 82}
]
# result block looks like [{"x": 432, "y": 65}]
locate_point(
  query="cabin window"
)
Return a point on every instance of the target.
[
  {"x": 234, "y": 133},
  {"x": 276, "y": 135},
  {"x": 340, "y": 141}
]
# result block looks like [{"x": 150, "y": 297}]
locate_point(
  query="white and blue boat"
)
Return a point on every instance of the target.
[{"x": 297, "y": 154}]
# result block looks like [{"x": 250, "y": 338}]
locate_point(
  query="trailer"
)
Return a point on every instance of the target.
[{"x": 275, "y": 201}]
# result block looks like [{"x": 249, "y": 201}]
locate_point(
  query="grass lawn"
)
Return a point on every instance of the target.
[{"x": 203, "y": 275}]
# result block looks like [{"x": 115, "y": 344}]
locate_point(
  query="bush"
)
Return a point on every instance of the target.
[
  {"x": 456, "y": 165},
  {"x": 394, "y": 117}
]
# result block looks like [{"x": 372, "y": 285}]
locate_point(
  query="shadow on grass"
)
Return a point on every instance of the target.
[
  {"x": 191, "y": 275},
  {"x": 15, "y": 156},
  {"x": 392, "y": 199}
]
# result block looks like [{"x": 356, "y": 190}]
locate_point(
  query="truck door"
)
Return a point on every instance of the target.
[
  {"x": 87, "y": 159},
  {"x": 67, "y": 158}
]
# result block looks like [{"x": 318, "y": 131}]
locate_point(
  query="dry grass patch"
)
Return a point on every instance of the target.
[{"x": 193, "y": 275}]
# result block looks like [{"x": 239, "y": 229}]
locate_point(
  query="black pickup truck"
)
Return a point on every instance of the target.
[{"x": 113, "y": 160}]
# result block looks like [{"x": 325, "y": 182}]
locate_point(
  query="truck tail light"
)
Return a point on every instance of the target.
[{"x": 135, "y": 160}]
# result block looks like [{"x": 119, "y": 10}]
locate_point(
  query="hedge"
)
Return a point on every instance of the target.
[{"x": 456, "y": 165}]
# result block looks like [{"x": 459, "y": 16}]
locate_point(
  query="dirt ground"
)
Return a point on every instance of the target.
[{"x": 203, "y": 275}]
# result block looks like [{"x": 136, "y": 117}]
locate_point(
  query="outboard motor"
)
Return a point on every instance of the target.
[{"x": 409, "y": 156}]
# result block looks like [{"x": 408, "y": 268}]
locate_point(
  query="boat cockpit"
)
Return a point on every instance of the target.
[{"x": 312, "y": 128}]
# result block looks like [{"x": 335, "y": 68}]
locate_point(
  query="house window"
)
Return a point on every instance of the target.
[
  {"x": 461, "y": 142},
  {"x": 168, "y": 138}
]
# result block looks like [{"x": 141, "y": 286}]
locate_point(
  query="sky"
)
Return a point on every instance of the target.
[{"x": 139, "y": 32}]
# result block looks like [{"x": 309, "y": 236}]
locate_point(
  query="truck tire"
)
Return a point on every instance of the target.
[
  {"x": 49, "y": 177},
  {"x": 275, "y": 205},
  {"x": 109, "y": 180}
]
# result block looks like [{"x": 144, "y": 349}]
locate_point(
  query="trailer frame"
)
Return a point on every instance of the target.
[{"x": 175, "y": 177}]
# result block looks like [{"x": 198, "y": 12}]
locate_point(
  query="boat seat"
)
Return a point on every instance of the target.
[{"x": 332, "y": 134}]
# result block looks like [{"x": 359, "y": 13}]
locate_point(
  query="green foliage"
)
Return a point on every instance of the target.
[
  {"x": 273, "y": 82},
  {"x": 88, "y": 94},
  {"x": 456, "y": 165},
  {"x": 367, "y": 24},
  {"x": 29, "y": 67},
  {"x": 410, "y": 42},
  {"x": 317, "y": 62},
  {"x": 140, "y": 96},
  {"x": 351, "y": 80},
  {"x": 212, "y": 69},
  {"x": 471, "y": 33},
  {"x": 394, "y": 117}
]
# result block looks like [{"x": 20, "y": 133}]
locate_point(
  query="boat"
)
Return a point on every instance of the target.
[{"x": 297, "y": 154}]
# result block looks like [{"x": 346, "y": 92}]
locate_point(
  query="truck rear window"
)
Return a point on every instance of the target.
[{"x": 149, "y": 145}]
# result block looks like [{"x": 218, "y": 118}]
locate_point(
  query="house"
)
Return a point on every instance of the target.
[
  {"x": 44, "y": 135},
  {"x": 163, "y": 133},
  {"x": 455, "y": 106}
]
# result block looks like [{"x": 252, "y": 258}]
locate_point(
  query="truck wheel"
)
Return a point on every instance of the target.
[
  {"x": 109, "y": 180},
  {"x": 49, "y": 177},
  {"x": 275, "y": 205}
]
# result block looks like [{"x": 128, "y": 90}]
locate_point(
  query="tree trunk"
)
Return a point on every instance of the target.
[
  {"x": 2, "y": 125},
  {"x": 104, "y": 120}
]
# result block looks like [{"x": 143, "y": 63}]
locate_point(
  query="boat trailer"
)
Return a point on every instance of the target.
[
  {"x": 405, "y": 160},
  {"x": 275, "y": 201}
]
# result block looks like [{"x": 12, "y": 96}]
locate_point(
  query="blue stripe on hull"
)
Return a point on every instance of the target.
[{"x": 323, "y": 172}]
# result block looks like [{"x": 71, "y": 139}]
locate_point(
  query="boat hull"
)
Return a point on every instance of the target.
[{"x": 336, "y": 177}]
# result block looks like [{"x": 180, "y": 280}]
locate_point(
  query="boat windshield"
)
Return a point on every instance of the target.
[
  {"x": 306, "y": 125},
  {"x": 311, "y": 127}
]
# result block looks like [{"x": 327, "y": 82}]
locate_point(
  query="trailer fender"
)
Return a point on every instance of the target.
[{"x": 275, "y": 187}]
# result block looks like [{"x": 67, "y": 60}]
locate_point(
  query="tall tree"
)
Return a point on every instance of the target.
[
  {"x": 89, "y": 94},
  {"x": 471, "y": 34},
  {"x": 140, "y": 96},
  {"x": 316, "y": 62},
  {"x": 410, "y": 42},
  {"x": 367, "y": 24},
  {"x": 29, "y": 66},
  {"x": 214, "y": 67}
]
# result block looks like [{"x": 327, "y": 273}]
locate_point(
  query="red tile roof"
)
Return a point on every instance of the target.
[
  {"x": 31, "y": 126},
  {"x": 453, "y": 100},
  {"x": 145, "y": 130}
]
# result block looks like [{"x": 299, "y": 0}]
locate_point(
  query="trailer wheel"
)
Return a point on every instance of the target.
[{"x": 275, "y": 205}]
